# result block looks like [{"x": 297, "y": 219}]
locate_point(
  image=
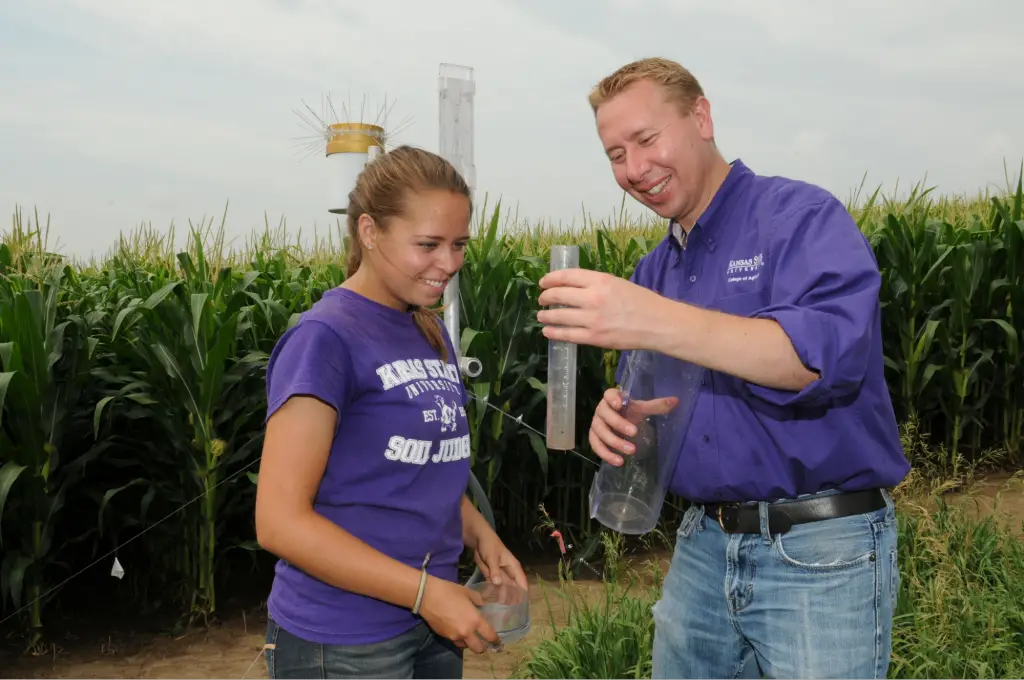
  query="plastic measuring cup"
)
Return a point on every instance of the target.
[
  {"x": 506, "y": 608},
  {"x": 628, "y": 498}
]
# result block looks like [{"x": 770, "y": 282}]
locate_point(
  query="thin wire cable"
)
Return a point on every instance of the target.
[
  {"x": 519, "y": 420},
  {"x": 122, "y": 545}
]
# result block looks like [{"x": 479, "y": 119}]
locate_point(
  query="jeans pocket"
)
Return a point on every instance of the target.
[
  {"x": 829, "y": 545},
  {"x": 690, "y": 522}
]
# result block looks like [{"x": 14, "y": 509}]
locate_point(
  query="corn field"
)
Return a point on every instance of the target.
[{"x": 132, "y": 388}]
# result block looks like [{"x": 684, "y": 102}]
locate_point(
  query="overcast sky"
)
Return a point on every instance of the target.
[{"x": 115, "y": 113}]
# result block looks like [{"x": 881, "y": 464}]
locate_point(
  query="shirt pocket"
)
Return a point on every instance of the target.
[{"x": 742, "y": 304}]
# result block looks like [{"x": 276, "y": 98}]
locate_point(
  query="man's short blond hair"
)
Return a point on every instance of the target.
[{"x": 680, "y": 85}]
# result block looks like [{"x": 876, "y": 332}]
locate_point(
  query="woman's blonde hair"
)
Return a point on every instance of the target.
[{"x": 382, "y": 191}]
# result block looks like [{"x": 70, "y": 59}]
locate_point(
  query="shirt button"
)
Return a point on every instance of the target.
[
  {"x": 706, "y": 439},
  {"x": 692, "y": 278}
]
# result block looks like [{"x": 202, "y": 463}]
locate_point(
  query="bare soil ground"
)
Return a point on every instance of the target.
[
  {"x": 1002, "y": 493},
  {"x": 233, "y": 648}
]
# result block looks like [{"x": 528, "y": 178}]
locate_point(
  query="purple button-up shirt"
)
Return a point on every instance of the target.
[{"x": 777, "y": 248}]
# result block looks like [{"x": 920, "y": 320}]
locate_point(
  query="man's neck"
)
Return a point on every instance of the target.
[{"x": 716, "y": 177}]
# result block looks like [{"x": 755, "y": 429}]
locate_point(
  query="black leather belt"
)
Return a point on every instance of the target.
[{"x": 743, "y": 518}]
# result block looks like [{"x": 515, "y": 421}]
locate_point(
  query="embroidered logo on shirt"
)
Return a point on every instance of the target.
[{"x": 745, "y": 269}]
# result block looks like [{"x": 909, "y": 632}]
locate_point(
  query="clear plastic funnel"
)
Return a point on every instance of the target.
[
  {"x": 561, "y": 417},
  {"x": 659, "y": 393}
]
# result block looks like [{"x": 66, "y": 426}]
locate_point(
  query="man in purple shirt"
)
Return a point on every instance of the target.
[{"x": 785, "y": 562}]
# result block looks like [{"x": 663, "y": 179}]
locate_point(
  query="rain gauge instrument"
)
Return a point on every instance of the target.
[
  {"x": 348, "y": 142},
  {"x": 561, "y": 413},
  {"x": 455, "y": 91}
]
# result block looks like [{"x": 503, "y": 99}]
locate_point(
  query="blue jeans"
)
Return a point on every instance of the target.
[
  {"x": 418, "y": 653},
  {"x": 816, "y": 601}
]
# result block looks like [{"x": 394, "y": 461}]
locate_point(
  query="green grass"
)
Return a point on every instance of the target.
[{"x": 610, "y": 638}]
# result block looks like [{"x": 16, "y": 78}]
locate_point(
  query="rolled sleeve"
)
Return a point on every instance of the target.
[{"x": 824, "y": 295}]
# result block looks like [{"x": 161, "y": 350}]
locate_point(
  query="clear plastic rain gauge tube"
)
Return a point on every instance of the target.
[
  {"x": 455, "y": 90},
  {"x": 562, "y": 371},
  {"x": 658, "y": 395}
]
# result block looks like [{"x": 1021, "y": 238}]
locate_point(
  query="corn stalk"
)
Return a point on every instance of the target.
[
  {"x": 1007, "y": 309},
  {"x": 46, "y": 354},
  {"x": 182, "y": 345}
]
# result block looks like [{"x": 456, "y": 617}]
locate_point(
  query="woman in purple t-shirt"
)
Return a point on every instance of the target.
[{"x": 366, "y": 458}]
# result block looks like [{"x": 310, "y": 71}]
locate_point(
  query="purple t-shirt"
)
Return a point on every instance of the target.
[{"x": 399, "y": 464}]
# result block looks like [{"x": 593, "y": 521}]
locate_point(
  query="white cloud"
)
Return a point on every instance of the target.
[{"x": 255, "y": 34}]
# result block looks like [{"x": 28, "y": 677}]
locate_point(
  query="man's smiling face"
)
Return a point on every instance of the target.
[{"x": 659, "y": 155}]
